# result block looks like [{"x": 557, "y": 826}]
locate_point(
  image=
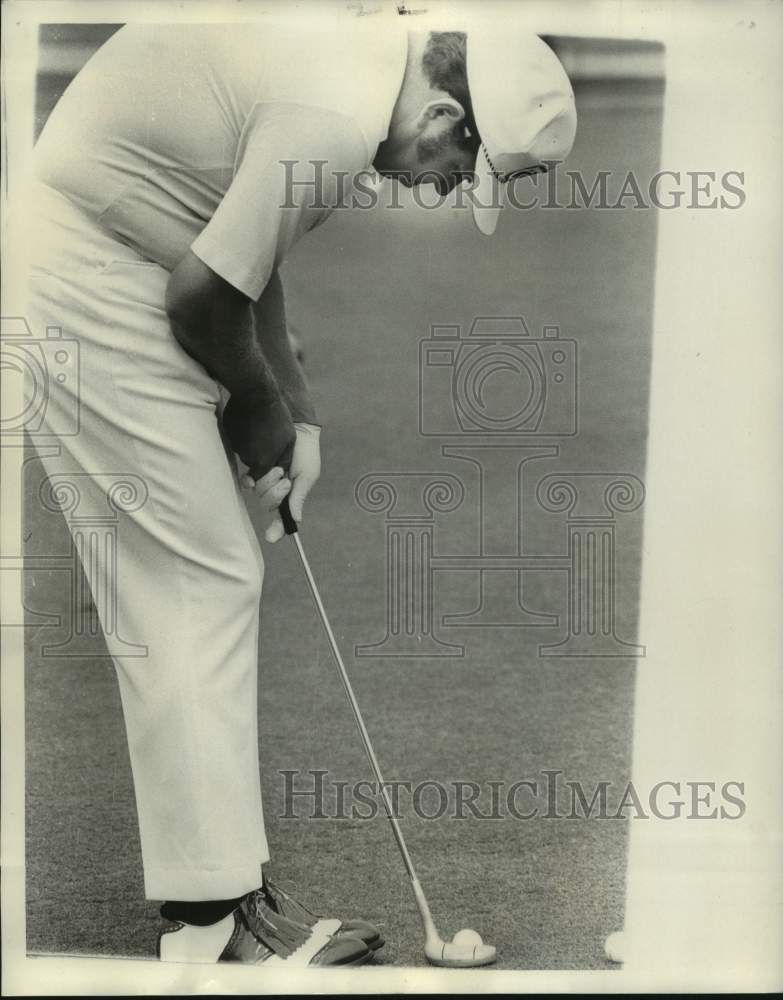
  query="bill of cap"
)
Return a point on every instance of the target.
[
  {"x": 524, "y": 110},
  {"x": 486, "y": 194}
]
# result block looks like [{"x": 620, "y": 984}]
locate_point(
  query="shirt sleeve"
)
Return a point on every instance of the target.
[{"x": 293, "y": 167}]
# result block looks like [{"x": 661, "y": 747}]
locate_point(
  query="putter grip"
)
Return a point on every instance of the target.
[{"x": 287, "y": 517}]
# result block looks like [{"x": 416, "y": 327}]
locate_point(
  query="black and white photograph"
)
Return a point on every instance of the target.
[{"x": 391, "y": 505}]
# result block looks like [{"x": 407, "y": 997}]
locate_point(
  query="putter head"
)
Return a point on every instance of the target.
[{"x": 457, "y": 954}]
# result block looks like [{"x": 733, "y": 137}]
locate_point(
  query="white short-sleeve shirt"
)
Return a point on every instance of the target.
[{"x": 189, "y": 136}]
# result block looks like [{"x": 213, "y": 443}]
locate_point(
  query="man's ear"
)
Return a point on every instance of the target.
[{"x": 442, "y": 107}]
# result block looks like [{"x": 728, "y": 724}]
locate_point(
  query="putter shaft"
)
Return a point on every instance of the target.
[
  {"x": 436, "y": 950},
  {"x": 355, "y": 708}
]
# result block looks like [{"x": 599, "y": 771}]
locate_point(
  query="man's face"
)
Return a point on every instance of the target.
[{"x": 441, "y": 156}]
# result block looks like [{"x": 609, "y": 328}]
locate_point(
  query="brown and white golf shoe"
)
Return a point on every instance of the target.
[
  {"x": 255, "y": 934},
  {"x": 284, "y": 903}
]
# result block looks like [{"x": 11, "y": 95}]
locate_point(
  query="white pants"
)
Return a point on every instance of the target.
[{"x": 188, "y": 574}]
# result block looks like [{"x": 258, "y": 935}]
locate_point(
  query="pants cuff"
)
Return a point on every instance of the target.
[{"x": 196, "y": 884}]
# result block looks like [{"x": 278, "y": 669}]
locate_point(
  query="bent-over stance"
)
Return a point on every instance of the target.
[{"x": 172, "y": 179}]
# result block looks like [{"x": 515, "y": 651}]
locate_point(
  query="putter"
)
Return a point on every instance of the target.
[{"x": 466, "y": 949}]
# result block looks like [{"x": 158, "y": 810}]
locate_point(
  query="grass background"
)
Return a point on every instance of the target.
[{"x": 364, "y": 290}]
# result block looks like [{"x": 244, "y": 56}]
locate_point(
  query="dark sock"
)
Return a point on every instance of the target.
[{"x": 200, "y": 913}]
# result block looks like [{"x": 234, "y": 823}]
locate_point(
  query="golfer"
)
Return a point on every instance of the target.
[{"x": 172, "y": 178}]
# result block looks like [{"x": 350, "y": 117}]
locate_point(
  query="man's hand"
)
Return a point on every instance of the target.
[
  {"x": 269, "y": 420},
  {"x": 261, "y": 432},
  {"x": 303, "y": 475}
]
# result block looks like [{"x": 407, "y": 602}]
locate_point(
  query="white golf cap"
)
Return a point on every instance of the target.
[{"x": 523, "y": 105}]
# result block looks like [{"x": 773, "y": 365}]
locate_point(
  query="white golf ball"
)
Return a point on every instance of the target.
[{"x": 467, "y": 938}]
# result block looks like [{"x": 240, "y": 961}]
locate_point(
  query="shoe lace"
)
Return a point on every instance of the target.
[
  {"x": 274, "y": 890},
  {"x": 275, "y": 930},
  {"x": 280, "y": 896}
]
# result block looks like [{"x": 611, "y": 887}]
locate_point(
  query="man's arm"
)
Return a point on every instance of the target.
[
  {"x": 213, "y": 322},
  {"x": 272, "y": 335},
  {"x": 256, "y": 223}
]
